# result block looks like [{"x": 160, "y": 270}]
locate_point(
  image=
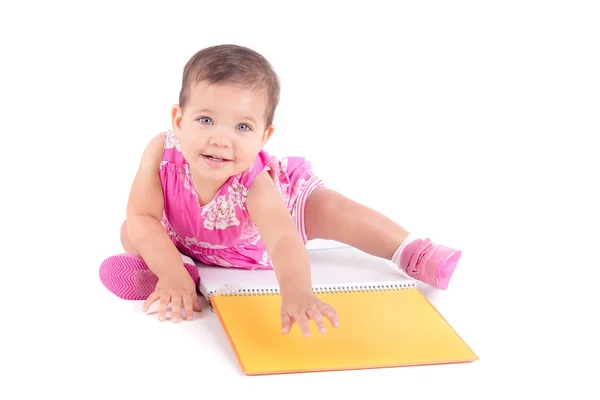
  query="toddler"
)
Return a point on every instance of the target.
[{"x": 207, "y": 190}]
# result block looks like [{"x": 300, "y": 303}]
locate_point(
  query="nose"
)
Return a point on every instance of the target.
[{"x": 219, "y": 138}]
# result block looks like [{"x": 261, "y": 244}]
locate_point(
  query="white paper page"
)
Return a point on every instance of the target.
[{"x": 338, "y": 267}]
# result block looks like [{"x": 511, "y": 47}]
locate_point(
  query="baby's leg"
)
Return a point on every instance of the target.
[
  {"x": 125, "y": 242},
  {"x": 332, "y": 216},
  {"x": 127, "y": 274}
]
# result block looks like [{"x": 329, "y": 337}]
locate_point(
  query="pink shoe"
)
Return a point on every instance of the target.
[
  {"x": 430, "y": 263},
  {"x": 128, "y": 276}
]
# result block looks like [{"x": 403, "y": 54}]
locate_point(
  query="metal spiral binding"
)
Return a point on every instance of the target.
[
  {"x": 245, "y": 292},
  {"x": 365, "y": 288},
  {"x": 317, "y": 290},
  {"x": 234, "y": 292}
]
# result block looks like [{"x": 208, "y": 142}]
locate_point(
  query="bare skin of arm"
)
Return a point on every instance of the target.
[
  {"x": 289, "y": 256},
  {"x": 151, "y": 241}
]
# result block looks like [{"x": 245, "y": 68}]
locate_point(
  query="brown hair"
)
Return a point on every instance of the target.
[{"x": 235, "y": 65}]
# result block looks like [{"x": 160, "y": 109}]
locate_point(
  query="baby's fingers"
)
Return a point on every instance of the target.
[
  {"x": 188, "y": 308},
  {"x": 286, "y": 323},
  {"x": 191, "y": 304},
  {"x": 196, "y": 303},
  {"x": 162, "y": 308},
  {"x": 316, "y": 316},
  {"x": 302, "y": 321},
  {"x": 176, "y": 308},
  {"x": 154, "y": 296},
  {"x": 330, "y": 313}
]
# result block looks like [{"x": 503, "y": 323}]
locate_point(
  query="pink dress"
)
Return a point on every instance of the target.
[{"x": 222, "y": 233}]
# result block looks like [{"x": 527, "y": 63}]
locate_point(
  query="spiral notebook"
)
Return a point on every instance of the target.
[{"x": 385, "y": 321}]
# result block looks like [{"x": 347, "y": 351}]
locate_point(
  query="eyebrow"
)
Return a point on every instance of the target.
[
  {"x": 206, "y": 110},
  {"x": 249, "y": 118}
]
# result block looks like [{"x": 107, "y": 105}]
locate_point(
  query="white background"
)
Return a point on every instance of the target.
[{"x": 481, "y": 116}]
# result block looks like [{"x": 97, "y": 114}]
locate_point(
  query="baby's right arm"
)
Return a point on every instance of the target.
[
  {"x": 144, "y": 213},
  {"x": 151, "y": 241}
]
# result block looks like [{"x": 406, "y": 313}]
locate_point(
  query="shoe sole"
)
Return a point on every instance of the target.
[
  {"x": 446, "y": 269},
  {"x": 128, "y": 277}
]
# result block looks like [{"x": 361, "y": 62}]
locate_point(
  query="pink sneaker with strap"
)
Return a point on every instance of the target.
[
  {"x": 128, "y": 276},
  {"x": 430, "y": 263}
]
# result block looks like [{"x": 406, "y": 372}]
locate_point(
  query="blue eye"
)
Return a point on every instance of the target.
[
  {"x": 244, "y": 127},
  {"x": 205, "y": 120}
]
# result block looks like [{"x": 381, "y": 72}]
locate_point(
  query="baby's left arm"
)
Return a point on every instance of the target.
[
  {"x": 289, "y": 256},
  {"x": 280, "y": 236}
]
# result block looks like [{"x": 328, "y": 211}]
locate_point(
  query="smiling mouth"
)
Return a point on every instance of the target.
[{"x": 215, "y": 158}]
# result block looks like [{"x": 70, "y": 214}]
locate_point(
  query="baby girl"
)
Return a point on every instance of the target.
[{"x": 207, "y": 190}]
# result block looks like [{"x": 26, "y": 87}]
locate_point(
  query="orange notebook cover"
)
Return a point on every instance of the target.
[{"x": 383, "y": 323}]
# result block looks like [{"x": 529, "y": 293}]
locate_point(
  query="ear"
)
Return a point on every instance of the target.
[
  {"x": 176, "y": 116},
  {"x": 267, "y": 135}
]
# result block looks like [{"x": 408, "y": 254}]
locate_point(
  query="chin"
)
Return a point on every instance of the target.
[{"x": 206, "y": 172}]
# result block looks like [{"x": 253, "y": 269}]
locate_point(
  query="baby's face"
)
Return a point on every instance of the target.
[{"x": 222, "y": 129}]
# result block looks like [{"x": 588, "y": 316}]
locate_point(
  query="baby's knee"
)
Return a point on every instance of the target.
[
  {"x": 326, "y": 201},
  {"x": 124, "y": 229},
  {"x": 125, "y": 242}
]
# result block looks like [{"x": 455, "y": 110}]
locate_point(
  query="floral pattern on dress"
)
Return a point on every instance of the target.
[
  {"x": 281, "y": 184},
  {"x": 186, "y": 178},
  {"x": 189, "y": 241},
  {"x": 217, "y": 260},
  {"x": 249, "y": 233},
  {"x": 171, "y": 140},
  {"x": 220, "y": 214},
  {"x": 266, "y": 260},
  {"x": 299, "y": 188},
  {"x": 238, "y": 193}
]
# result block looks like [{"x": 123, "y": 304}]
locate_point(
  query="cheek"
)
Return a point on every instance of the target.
[
  {"x": 189, "y": 138},
  {"x": 248, "y": 149}
]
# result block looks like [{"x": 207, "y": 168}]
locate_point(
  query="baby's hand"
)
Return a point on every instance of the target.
[
  {"x": 175, "y": 288},
  {"x": 302, "y": 306}
]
